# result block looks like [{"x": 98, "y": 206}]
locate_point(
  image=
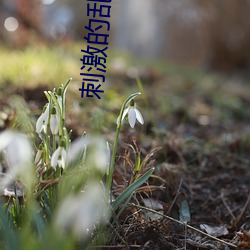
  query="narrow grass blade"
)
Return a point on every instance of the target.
[{"x": 122, "y": 209}]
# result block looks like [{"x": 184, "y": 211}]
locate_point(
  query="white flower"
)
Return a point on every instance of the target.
[
  {"x": 42, "y": 122},
  {"x": 79, "y": 214},
  {"x": 133, "y": 114},
  {"x": 38, "y": 156},
  {"x": 98, "y": 152},
  {"x": 59, "y": 157},
  {"x": 17, "y": 152},
  {"x": 54, "y": 121}
]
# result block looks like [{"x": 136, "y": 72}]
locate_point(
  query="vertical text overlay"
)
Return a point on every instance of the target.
[{"x": 94, "y": 57}]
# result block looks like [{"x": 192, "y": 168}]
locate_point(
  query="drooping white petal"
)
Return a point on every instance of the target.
[
  {"x": 61, "y": 163},
  {"x": 19, "y": 151},
  {"x": 38, "y": 156},
  {"x": 55, "y": 156},
  {"x": 18, "y": 156},
  {"x": 78, "y": 214},
  {"x": 123, "y": 115},
  {"x": 59, "y": 157},
  {"x": 125, "y": 112},
  {"x": 133, "y": 114},
  {"x": 44, "y": 127},
  {"x": 139, "y": 116},
  {"x": 39, "y": 123},
  {"x": 46, "y": 113},
  {"x": 54, "y": 124},
  {"x": 64, "y": 154},
  {"x": 117, "y": 120},
  {"x": 77, "y": 148},
  {"x": 101, "y": 154},
  {"x": 63, "y": 159},
  {"x": 132, "y": 117},
  {"x": 98, "y": 152}
]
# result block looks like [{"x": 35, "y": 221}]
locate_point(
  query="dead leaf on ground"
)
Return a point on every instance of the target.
[
  {"x": 245, "y": 236},
  {"x": 215, "y": 231}
]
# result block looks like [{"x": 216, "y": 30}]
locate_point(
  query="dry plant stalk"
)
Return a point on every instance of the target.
[{"x": 184, "y": 224}]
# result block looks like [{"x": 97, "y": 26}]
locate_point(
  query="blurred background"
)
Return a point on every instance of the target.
[
  {"x": 212, "y": 34},
  {"x": 193, "y": 57},
  {"x": 193, "y": 60}
]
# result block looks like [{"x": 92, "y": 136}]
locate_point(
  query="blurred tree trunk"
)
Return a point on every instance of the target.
[{"x": 229, "y": 34}]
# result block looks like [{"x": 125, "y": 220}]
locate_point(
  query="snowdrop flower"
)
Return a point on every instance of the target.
[
  {"x": 42, "y": 122},
  {"x": 98, "y": 152},
  {"x": 133, "y": 114},
  {"x": 77, "y": 150},
  {"x": 79, "y": 214},
  {"x": 59, "y": 157},
  {"x": 54, "y": 121},
  {"x": 17, "y": 152}
]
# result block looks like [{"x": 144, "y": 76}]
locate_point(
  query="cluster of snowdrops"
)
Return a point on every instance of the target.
[{"x": 66, "y": 186}]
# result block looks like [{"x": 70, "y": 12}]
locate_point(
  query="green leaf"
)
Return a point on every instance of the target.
[
  {"x": 122, "y": 209},
  {"x": 10, "y": 236},
  {"x": 65, "y": 87},
  {"x": 138, "y": 163},
  {"x": 129, "y": 190},
  {"x": 39, "y": 222}
]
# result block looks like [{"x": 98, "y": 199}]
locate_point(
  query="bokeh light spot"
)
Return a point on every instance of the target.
[
  {"x": 58, "y": 31},
  {"x": 11, "y": 24}
]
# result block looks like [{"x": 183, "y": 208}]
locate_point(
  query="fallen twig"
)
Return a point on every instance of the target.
[{"x": 184, "y": 224}]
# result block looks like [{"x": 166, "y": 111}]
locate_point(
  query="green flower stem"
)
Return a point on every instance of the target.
[
  {"x": 112, "y": 163},
  {"x": 47, "y": 138},
  {"x": 54, "y": 142},
  {"x": 65, "y": 87},
  {"x": 66, "y": 136}
]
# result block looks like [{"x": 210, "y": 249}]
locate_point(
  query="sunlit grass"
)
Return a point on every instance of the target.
[
  {"x": 178, "y": 84},
  {"x": 37, "y": 65}
]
